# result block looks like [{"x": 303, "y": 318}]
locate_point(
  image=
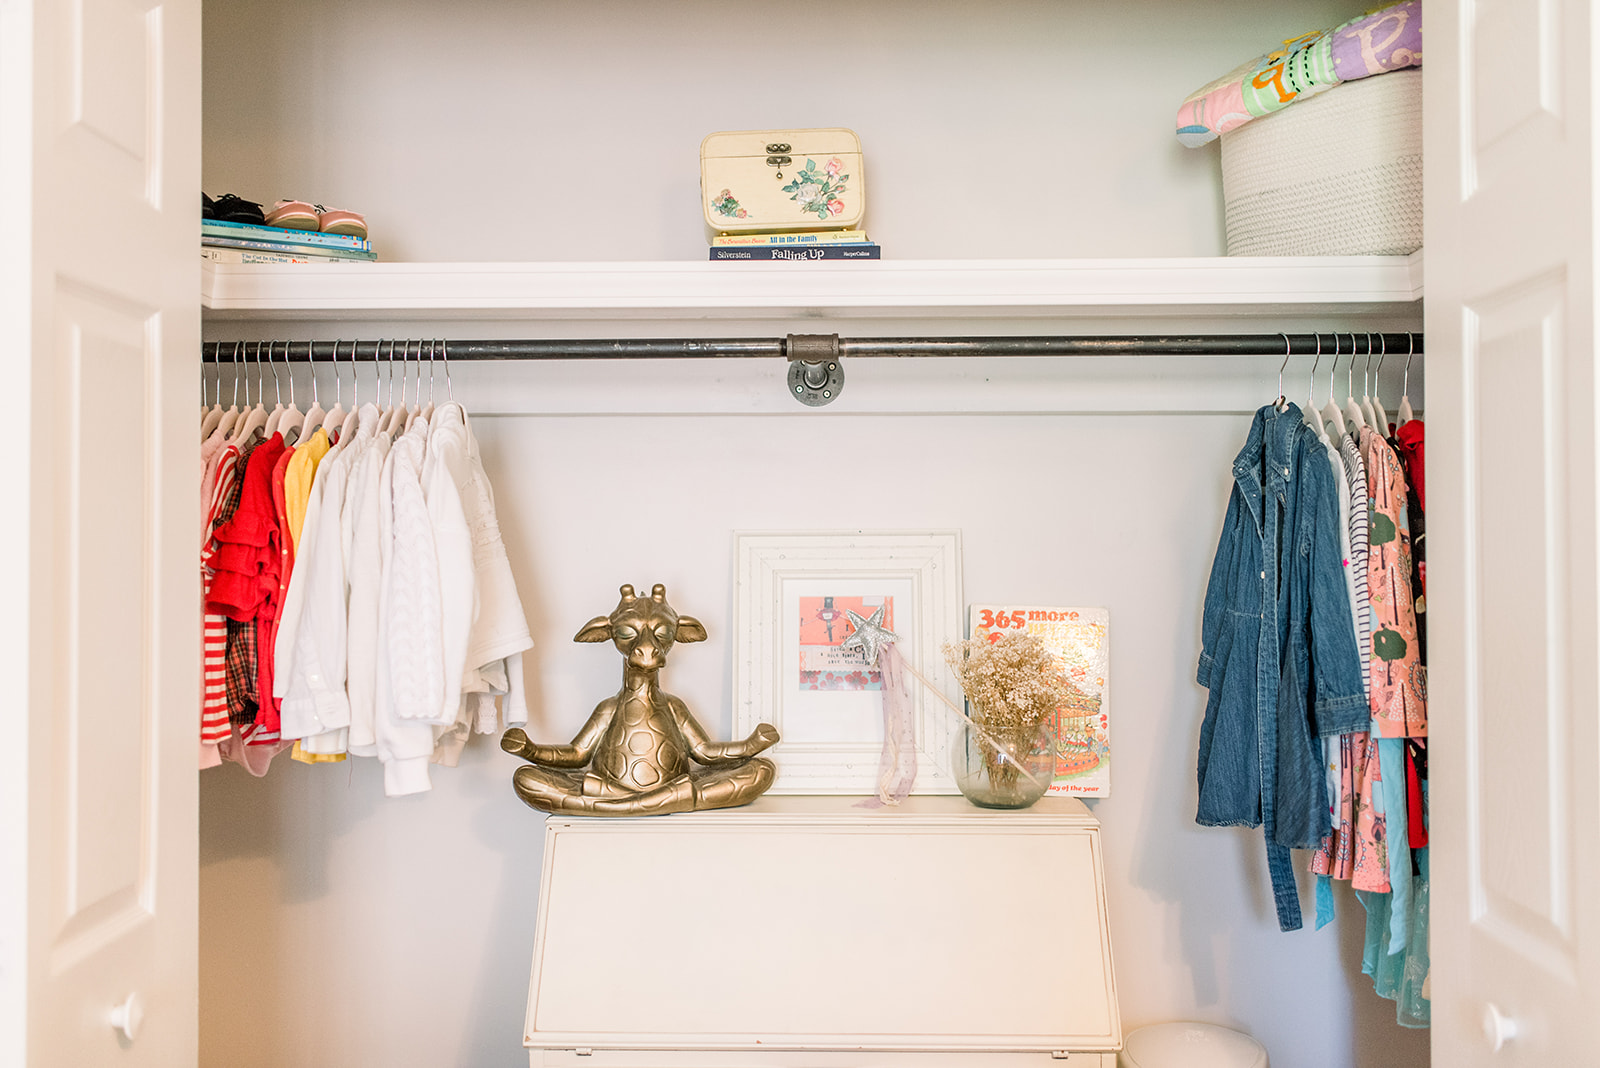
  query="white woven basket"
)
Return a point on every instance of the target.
[{"x": 1339, "y": 174}]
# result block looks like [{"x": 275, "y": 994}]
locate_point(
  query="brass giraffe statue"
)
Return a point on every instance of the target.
[{"x": 642, "y": 739}]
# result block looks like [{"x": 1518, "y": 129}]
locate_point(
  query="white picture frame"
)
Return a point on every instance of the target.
[{"x": 832, "y": 740}]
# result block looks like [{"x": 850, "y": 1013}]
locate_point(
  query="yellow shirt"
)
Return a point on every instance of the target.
[{"x": 297, "y": 479}]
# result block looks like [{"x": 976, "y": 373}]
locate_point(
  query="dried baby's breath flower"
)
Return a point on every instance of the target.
[{"x": 1013, "y": 683}]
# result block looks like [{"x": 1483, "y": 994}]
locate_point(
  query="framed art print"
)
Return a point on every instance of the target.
[{"x": 795, "y": 591}]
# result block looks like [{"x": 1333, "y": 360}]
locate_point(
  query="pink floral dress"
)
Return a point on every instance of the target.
[{"x": 1399, "y": 686}]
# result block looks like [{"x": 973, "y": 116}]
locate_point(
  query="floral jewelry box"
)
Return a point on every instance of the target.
[{"x": 770, "y": 181}]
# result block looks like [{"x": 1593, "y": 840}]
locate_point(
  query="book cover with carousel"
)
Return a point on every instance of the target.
[{"x": 1082, "y": 725}]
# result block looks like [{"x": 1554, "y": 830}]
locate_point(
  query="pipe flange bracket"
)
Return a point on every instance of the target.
[{"x": 816, "y": 377}]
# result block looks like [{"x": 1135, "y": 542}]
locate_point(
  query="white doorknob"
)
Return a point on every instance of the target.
[
  {"x": 1498, "y": 1028},
  {"x": 128, "y": 1017}
]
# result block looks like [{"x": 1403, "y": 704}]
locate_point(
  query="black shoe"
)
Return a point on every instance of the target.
[{"x": 230, "y": 208}]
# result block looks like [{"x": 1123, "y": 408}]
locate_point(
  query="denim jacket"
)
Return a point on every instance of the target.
[{"x": 1278, "y": 652}]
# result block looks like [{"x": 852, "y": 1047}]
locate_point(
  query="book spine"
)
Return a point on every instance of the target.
[
  {"x": 279, "y": 246},
  {"x": 244, "y": 255},
  {"x": 797, "y": 255},
  {"x": 848, "y": 237},
  {"x": 216, "y": 228}
]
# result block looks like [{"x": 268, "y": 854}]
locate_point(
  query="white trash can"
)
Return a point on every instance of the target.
[{"x": 1190, "y": 1045}]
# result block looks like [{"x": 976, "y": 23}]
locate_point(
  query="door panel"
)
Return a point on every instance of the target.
[
  {"x": 1514, "y": 641},
  {"x": 1519, "y": 875},
  {"x": 112, "y": 634},
  {"x": 102, "y": 712}
]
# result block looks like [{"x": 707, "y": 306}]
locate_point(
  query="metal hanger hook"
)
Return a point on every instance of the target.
[
  {"x": 444, "y": 353},
  {"x": 237, "y": 345},
  {"x": 261, "y": 374},
  {"x": 1333, "y": 367},
  {"x": 1411, "y": 350},
  {"x": 1283, "y": 401},
  {"x": 431, "y": 345},
  {"x": 1311, "y": 376},
  {"x": 390, "y": 376},
  {"x": 338, "y": 394},
  {"x": 1366, "y": 370},
  {"x": 1350, "y": 372},
  {"x": 405, "y": 369},
  {"x": 1383, "y": 354}
]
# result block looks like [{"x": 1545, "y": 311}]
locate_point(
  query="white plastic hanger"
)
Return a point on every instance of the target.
[
  {"x": 391, "y": 412},
  {"x": 277, "y": 392},
  {"x": 1330, "y": 412},
  {"x": 235, "y": 415},
  {"x": 314, "y": 414},
  {"x": 1352, "y": 409},
  {"x": 351, "y": 418},
  {"x": 416, "y": 400},
  {"x": 408, "y": 414},
  {"x": 1405, "y": 382},
  {"x": 1281, "y": 404},
  {"x": 427, "y": 409},
  {"x": 292, "y": 419},
  {"x": 1312, "y": 418},
  {"x": 1377, "y": 386},
  {"x": 224, "y": 417},
  {"x": 210, "y": 414},
  {"x": 256, "y": 417},
  {"x": 333, "y": 422},
  {"x": 1366, "y": 393}
]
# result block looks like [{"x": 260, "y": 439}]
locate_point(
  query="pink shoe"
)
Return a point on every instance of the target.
[
  {"x": 293, "y": 215},
  {"x": 335, "y": 221}
]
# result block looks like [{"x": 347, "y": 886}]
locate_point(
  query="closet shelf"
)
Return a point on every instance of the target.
[{"x": 888, "y": 289}]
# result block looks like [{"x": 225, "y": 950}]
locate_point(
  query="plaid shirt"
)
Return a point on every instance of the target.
[{"x": 242, "y": 676}]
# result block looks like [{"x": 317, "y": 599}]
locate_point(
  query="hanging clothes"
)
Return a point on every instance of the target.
[
  {"x": 1278, "y": 655},
  {"x": 1290, "y": 652},
  {"x": 361, "y": 594}
]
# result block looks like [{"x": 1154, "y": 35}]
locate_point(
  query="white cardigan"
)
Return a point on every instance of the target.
[{"x": 311, "y": 641}]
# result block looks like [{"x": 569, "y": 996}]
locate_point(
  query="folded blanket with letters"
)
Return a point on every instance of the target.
[{"x": 1375, "y": 43}]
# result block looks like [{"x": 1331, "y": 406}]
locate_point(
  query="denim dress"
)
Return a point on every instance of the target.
[{"x": 1278, "y": 651}]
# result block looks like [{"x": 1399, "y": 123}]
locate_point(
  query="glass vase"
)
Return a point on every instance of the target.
[{"x": 993, "y": 772}]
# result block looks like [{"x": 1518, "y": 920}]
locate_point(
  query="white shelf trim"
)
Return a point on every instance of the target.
[{"x": 882, "y": 289}]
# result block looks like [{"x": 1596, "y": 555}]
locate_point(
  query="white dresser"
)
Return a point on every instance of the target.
[{"x": 806, "y": 932}]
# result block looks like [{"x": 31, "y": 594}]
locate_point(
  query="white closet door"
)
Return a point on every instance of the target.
[
  {"x": 100, "y": 134},
  {"x": 1514, "y": 644}
]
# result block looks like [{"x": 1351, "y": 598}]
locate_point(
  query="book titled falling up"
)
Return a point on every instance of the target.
[
  {"x": 1077, "y": 638},
  {"x": 831, "y": 250}
]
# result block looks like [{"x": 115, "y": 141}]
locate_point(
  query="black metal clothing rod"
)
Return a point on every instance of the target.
[{"x": 1344, "y": 343}]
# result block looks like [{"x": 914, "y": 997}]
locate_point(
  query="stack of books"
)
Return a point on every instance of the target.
[
  {"x": 232, "y": 242},
  {"x": 796, "y": 248}
]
